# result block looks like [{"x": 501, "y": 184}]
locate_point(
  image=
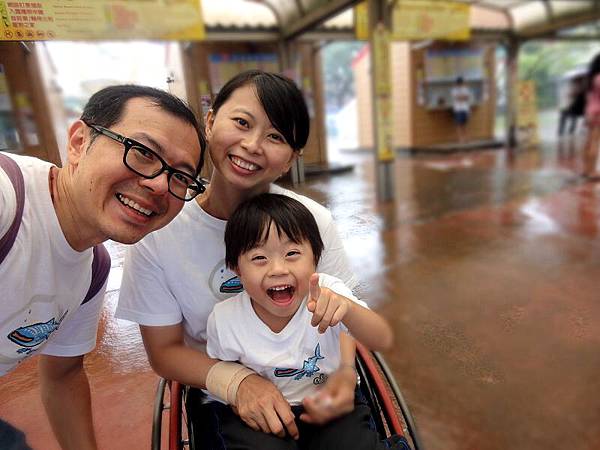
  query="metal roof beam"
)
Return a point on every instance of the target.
[
  {"x": 315, "y": 17},
  {"x": 548, "y": 29}
]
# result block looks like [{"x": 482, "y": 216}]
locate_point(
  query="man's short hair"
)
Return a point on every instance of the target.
[
  {"x": 105, "y": 108},
  {"x": 248, "y": 226}
]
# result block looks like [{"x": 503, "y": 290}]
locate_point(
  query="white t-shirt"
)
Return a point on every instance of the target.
[
  {"x": 43, "y": 281},
  {"x": 177, "y": 274},
  {"x": 461, "y": 98},
  {"x": 296, "y": 360}
]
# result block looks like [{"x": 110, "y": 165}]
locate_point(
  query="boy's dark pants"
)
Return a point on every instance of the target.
[{"x": 217, "y": 427}]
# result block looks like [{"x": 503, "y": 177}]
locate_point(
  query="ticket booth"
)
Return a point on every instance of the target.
[{"x": 422, "y": 79}]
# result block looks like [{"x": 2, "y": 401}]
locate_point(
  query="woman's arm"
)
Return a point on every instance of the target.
[{"x": 258, "y": 402}]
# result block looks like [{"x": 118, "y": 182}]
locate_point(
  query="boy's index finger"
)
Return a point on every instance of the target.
[{"x": 313, "y": 286}]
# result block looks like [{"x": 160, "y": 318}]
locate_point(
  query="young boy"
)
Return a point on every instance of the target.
[{"x": 291, "y": 325}]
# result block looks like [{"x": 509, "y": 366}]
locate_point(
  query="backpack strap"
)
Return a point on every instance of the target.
[
  {"x": 100, "y": 270},
  {"x": 101, "y": 261},
  {"x": 15, "y": 175}
]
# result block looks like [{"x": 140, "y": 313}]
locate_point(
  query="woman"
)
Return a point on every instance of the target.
[{"x": 255, "y": 130}]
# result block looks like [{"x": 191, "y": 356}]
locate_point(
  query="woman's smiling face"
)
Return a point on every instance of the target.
[{"x": 244, "y": 146}]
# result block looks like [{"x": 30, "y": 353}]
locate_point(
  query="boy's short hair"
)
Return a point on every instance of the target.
[{"x": 248, "y": 225}]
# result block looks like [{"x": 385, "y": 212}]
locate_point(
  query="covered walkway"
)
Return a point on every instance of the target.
[{"x": 486, "y": 264}]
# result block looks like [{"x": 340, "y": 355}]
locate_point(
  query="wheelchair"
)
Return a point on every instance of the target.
[{"x": 388, "y": 407}]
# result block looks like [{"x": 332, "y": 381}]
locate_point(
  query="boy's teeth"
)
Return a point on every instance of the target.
[{"x": 134, "y": 205}]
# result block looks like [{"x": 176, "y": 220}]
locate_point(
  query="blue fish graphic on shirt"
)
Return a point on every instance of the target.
[
  {"x": 232, "y": 286},
  {"x": 33, "y": 335},
  {"x": 309, "y": 367}
]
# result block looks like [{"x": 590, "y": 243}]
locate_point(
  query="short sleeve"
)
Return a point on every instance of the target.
[
  {"x": 8, "y": 203},
  {"x": 77, "y": 334},
  {"x": 145, "y": 297}
]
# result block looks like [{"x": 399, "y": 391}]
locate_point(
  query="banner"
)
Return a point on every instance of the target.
[
  {"x": 527, "y": 114},
  {"x": 100, "y": 20},
  {"x": 361, "y": 21},
  {"x": 431, "y": 19},
  {"x": 383, "y": 93}
]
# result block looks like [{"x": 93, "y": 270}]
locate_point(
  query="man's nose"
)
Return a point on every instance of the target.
[{"x": 158, "y": 185}]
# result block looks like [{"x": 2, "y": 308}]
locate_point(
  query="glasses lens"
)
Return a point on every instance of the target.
[
  {"x": 143, "y": 161},
  {"x": 184, "y": 186}
]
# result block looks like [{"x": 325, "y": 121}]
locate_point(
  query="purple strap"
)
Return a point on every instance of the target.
[
  {"x": 100, "y": 270},
  {"x": 101, "y": 261},
  {"x": 13, "y": 171}
]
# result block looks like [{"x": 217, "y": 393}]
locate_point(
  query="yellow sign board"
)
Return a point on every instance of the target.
[
  {"x": 383, "y": 92},
  {"x": 100, "y": 20},
  {"x": 431, "y": 19},
  {"x": 527, "y": 114},
  {"x": 361, "y": 21}
]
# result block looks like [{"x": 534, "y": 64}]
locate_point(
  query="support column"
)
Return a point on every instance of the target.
[
  {"x": 379, "y": 32},
  {"x": 512, "y": 80},
  {"x": 288, "y": 56}
]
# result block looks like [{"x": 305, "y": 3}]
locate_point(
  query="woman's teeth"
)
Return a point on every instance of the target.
[{"x": 244, "y": 164}]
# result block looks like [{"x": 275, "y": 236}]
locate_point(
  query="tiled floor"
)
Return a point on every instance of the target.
[{"x": 487, "y": 264}]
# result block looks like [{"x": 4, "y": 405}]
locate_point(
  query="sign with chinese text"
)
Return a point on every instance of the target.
[
  {"x": 100, "y": 20},
  {"x": 431, "y": 19}
]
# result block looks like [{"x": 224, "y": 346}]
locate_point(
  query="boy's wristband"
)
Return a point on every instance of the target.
[{"x": 224, "y": 379}]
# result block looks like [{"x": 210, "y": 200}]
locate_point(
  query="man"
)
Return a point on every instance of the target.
[{"x": 133, "y": 160}]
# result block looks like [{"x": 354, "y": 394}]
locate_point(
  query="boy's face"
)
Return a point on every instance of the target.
[{"x": 276, "y": 275}]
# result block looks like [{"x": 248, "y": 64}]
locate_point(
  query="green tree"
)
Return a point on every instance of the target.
[{"x": 337, "y": 72}]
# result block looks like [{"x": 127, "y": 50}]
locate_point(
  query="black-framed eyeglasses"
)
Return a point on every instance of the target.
[{"x": 146, "y": 163}]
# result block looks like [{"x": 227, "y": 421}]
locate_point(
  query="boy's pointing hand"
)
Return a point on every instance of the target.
[{"x": 327, "y": 307}]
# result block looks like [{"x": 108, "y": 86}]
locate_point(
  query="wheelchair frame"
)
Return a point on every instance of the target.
[{"x": 389, "y": 409}]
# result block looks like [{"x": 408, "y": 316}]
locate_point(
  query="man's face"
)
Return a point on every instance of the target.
[{"x": 109, "y": 199}]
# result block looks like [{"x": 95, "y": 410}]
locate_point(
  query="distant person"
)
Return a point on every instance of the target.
[
  {"x": 292, "y": 326},
  {"x": 592, "y": 119},
  {"x": 572, "y": 105},
  {"x": 461, "y": 107},
  {"x": 133, "y": 158}
]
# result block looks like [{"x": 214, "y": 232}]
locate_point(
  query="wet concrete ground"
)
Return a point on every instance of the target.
[{"x": 487, "y": 264}]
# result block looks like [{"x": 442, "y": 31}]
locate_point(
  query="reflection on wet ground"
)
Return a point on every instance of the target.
[{"x": 486, "y": 265}]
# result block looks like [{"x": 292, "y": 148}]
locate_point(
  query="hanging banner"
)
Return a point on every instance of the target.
[
  {"x": 361, "y": 21},
  {"x": 527, "y": 114},
  {"x": 431, "y": 19},
  {"x": 100, "y": 20},
  {"x": 383, "y": 93}
]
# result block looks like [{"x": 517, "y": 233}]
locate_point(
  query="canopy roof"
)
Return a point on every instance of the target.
[{"x": 290, "y": 18}]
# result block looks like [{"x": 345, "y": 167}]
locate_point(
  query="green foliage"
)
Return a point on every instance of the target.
[
  {"x": 546, "y": 62},
  {"x": 337, "y": 72}
]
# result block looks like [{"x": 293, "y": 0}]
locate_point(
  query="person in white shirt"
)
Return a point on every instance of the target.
[
  {"x": 256, "y": 128},
  {"x": 292, "y": 326},
  {"x": 461, "y": 107},
  {"x": 53, "y": 266}
]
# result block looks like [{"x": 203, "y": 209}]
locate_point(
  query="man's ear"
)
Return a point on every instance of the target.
[
  {"x": 76, "y": 142},
  {"x": 208, "y": 123}
]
